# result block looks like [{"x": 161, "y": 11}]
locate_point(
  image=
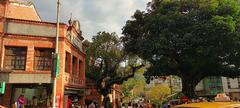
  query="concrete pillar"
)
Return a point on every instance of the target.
[{"x": 30, "y": 58}]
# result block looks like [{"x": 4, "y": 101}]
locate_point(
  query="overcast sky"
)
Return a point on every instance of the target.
[{"x": 94, "y": 15}]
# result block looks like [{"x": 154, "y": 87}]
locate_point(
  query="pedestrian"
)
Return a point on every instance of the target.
[
  {"x": 129, "y": 105},
  {"x": 92, "y": 105},
  {"x": 34, "y": 102},
  {"x": 20, "y": 101},
  {"x": 149, "y": 105},
  {"x": 49, "y": 102},
  {"x": 123, "y": 105},
  {"x": 69, "y": 102}
]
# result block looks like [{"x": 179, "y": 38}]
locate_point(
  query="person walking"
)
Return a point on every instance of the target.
[
  {"x": 34, "y": 102},
  {"x": 20, "y": 101},
  {"x": 149, "y": 105},
  {"x": 69, "y": 103},
  {"x": 92, "y": 105}
]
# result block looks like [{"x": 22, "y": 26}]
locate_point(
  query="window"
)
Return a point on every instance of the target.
[
  {"x": 213, "y": 79},
  {"x": 74, "y": 66},
  {"x": 15, "y": 58},
  {"x": 79, "y": 68},
  {"x": 43, "y": 59},
  {"x": 228, "y": 83},
  {"x": 238, "y": 82},
  {"x": 67, "y": 62}
]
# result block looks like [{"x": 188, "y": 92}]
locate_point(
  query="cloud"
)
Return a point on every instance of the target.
[{"x": 94, "y": 15}]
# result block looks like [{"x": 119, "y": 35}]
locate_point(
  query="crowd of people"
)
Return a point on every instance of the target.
[
  {"x": 24, "y": 103},
  {"x": 148, "y": 104}
]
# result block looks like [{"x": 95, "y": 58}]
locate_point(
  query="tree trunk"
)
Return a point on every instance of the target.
[{"x": 188, "y": 86}]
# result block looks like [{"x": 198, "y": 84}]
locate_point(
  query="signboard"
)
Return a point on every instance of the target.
[
  {"x": 2, "y": 87},
  {"x": 55, "y": 65}
]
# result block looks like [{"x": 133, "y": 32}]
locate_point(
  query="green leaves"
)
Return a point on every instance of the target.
[
  {"x": 134, "y": 87},
  {"x": 191, "y": 38},
  {"x": 224, "y": 23},
  {"x": 107, "y": 63}
]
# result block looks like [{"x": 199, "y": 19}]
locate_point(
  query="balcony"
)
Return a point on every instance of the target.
[{"x": 73, "y": 81}]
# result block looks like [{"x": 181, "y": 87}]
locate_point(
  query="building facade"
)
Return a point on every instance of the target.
[
  {"x": 209, "y": 87},
  {"x": 231, "y": 86},
  {"x": 26, "y": 48},
  {"x": 173, "y": 82},
  {"x": 92, "y": 94}
]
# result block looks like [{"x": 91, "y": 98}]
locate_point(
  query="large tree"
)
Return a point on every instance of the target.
[
  {"x": 188, "y": 38},
  {"x": 108, "y": 64}
]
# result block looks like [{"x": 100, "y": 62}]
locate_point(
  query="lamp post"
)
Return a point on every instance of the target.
[{"x": 56, "y": 52}]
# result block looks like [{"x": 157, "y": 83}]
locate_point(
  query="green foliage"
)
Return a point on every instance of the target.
[
  {"x": 105, "y": 59},
  {"x": 134, "y": 87},
  {"x": 157, "y": 93},
  {"x": 188, "y": 38}
]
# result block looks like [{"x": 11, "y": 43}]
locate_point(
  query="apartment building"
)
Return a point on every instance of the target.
[
  {"x": 231, "y": 86},
  {"x": 209, "y": 87}
]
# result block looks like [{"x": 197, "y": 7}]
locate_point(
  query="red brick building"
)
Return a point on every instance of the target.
[
  {"x": 92, "y": 94},
  {"x": 26, "y": 47}
]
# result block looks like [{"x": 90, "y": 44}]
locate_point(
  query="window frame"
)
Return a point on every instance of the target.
[
  {"x": 13, "y": 57},
  {"x": 45, "y": 60}
]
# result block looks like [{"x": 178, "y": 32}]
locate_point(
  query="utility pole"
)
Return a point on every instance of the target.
[{"x": 56, "y": 52}]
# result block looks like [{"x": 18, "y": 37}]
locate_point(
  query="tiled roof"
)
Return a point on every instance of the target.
[{"x": 22, "y": 10}]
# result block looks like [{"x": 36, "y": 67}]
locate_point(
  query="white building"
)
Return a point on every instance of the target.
[
  {"x": 209, "y": 87},
  {"x": 231, "y": 86},
  {"x": 173, "y": 82}
]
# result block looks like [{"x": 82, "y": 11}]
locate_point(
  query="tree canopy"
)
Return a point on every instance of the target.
[
  {"x": 188, "y": 38},
  {"x": 157, "y": 93},
  {"x": 107, "y": 63}
]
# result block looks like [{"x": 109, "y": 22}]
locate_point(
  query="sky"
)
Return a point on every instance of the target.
[{"x": 94, "y": 15}]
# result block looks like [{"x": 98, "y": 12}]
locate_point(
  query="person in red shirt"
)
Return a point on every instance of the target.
[{"x": 69, "y": 103}]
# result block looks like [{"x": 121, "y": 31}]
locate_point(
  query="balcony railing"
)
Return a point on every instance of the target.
[{"x": 73, "y": 81}]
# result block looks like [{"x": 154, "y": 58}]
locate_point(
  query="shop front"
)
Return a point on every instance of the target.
[
  {"x": 35, "y": 95},
  {"x": 74, "y": 96}
]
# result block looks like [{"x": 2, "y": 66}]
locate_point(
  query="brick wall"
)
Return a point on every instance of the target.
[
  {"x": 2, "y": 8},
  {"x": 60, "y": 81},
  {"x": 42, "y": 42}
]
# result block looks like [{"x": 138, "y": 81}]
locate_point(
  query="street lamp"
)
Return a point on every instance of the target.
[{"x": 57, "y": 59}]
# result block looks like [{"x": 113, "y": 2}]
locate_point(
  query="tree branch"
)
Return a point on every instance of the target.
[{"x": 120, "y": 80}]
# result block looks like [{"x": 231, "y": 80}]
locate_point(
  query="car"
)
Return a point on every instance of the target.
[{"x": 210, "y": 105}]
